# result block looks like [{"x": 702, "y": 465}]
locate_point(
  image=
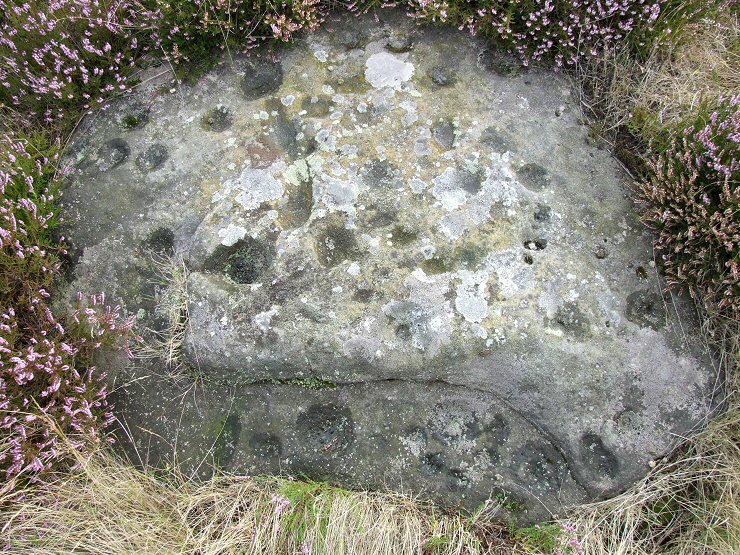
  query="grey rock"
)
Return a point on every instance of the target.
[
  {"x": 444, "y": 440},
  {"x": 389, "y": 284},
  {"x": 399, "y": 42},
  {"x": 260, "y": 79},
  {"x": 152, "y": 158}
]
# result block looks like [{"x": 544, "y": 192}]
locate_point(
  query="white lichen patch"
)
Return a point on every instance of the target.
[
  {"x": 337, "y": 194},
  {"x": 454, "y": 225},
  {"x": 325, "y": 140},
  {"x": 231, "y": 234},
  {"x": 365, "y": 340},
  {"x": 447, "y": 190},
  {"x": 411, "y": 114},
  {"x": 555, "y": 294},
  {"x": 386, "y": 70},
  {"x": 297, "y": 172},
  {"x": 472, "y": 294},
  {"x": 415, "y": 443},
  {"x": 264, "y": 319},
  {"x": 514, "y": 276},
  {"x": 425, "y": 313},
  {"x": 251, "y": 188},
  {"x": 417, "y": 185}
]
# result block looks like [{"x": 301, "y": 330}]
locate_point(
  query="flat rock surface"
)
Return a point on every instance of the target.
[{"x": 407, "y": 266}]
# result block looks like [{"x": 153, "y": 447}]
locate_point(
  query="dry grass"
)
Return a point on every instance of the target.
[
  {"x": 107, "y": 506},
  {"x": 172, "y": 308},
  {"x": 648, "y": 95}
]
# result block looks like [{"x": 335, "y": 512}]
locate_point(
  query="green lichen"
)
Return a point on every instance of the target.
[
  {"x": 249, "y": 262},
  {"x": 227, "y": 430},
  {"x": 313, "y": 383},
  {"x": 130, "y": 121},
  {"x": 436, "y": 265},
  {"x": 403, "y": 236},
  {"x": 506, "y": 502},
  {"x": 335, "y": 244},
  {"x": 352, "y": 83},
  {"x": 470, "y": 255}
]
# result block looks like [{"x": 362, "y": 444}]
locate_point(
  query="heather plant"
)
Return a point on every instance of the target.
[
  {"x": 29, "y": 257},
  {"x": 46, "y": 363},
  {"x": 566, "y": 32},
  {"x": 192, "y": 33},
  {"x": 49, "y": 378},
  {"x": 59, "y": 59},
  {"x": 692, "y": 200}
]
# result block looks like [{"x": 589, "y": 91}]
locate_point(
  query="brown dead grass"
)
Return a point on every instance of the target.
[
  {"x": 661, "y": 91},
  {"x": 108, "y": 506},
  {"x": 166, "y": 344}
]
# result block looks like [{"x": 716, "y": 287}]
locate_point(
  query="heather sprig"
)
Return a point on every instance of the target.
[
  {"x": 692, "y": 200},
  {"x": 565, "y": 32},
  {"x": 46, "y": 363},
  {"x": 59, "y": 59}
]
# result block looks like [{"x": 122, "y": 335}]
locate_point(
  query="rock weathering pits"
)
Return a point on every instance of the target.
[{"x": 403, "y": 268}]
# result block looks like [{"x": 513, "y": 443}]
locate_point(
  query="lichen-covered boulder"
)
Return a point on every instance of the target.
[{"x": 403, "y": 269}]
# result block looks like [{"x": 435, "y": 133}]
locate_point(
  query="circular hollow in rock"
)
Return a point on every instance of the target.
[
  {"x": 326, "y": 428},
  {"x": 112, "y": 154},
  {"x": 218, "y": 119},
  {"x": 245, "y": 262},
  {"x": 260, "y": 79}
]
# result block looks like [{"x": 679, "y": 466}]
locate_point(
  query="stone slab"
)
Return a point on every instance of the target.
[{"x": 435, "y": 245}]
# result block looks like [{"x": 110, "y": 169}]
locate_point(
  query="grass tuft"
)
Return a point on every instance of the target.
[
  {"x": 166, "y": 344},
  {"x": 108, "y": 506}
]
